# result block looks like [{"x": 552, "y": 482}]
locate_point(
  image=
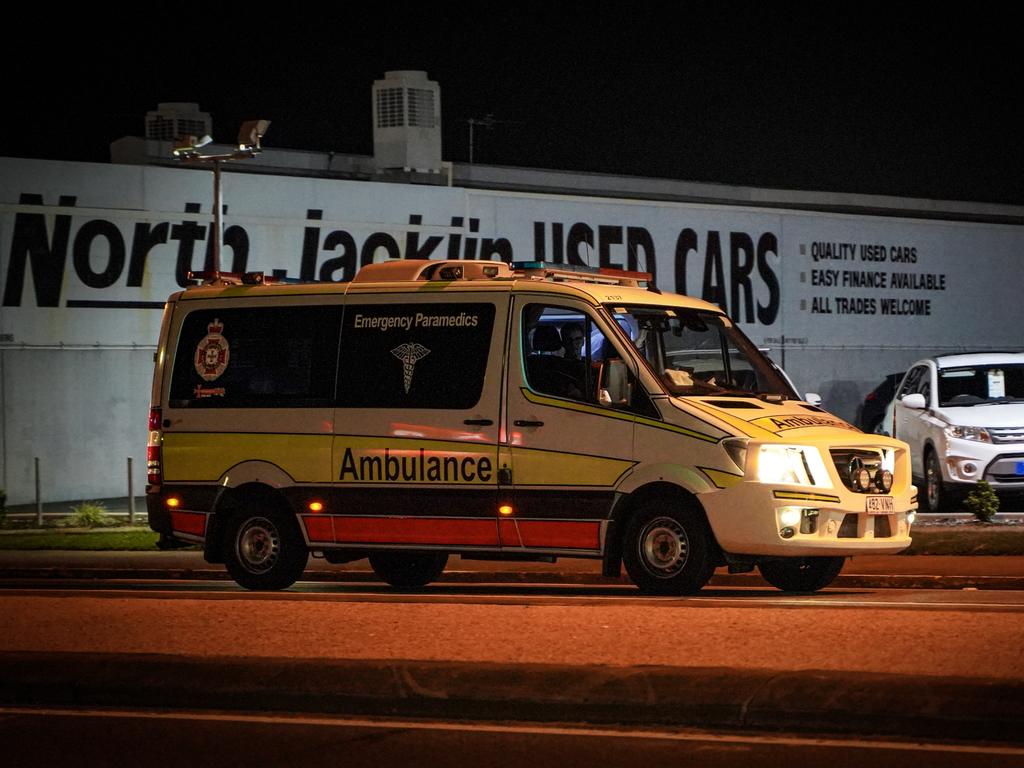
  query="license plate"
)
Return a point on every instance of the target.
[{"x": 879, "y": 505}]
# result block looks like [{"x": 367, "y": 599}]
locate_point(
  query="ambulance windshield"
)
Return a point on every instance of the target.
[{"x": 700, "y": 353}]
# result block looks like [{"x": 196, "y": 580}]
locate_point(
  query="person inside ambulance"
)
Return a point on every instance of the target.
[
  {"x": 547, "y": 371},
  {"x": 572, "y": 341}
]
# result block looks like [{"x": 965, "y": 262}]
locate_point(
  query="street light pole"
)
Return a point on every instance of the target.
[
  {"x": 186, "y": 149},
  {"x": 218, "y": 219}
]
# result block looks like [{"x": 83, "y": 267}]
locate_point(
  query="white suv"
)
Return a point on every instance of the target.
[{"x": 963, "y": 416}]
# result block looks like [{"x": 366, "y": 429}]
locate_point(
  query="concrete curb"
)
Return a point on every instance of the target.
[
  {"x": 811, "y": 701},
  {"x": 847, "y": 581}
]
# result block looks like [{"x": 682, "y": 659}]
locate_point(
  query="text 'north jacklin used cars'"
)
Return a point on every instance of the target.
[{"x": 498, "y": 411}]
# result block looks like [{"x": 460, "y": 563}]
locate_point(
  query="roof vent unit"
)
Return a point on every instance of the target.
[
  {"x": 407, "y": 122},
  {"x": 173, "y": 119}
]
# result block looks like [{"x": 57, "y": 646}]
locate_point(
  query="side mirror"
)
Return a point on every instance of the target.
[
  {"x": 915, "y": 401},
  {"x": 812, "y": 398},
  {"x": 613, "y": 385}
]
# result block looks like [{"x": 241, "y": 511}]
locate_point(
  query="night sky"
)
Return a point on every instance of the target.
[{"x": 855, "y": 100}]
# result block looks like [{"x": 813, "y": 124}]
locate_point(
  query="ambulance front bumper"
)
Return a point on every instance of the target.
[{"x": 753, "y": 518}]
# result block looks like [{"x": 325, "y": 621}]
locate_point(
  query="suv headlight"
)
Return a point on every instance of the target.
[
  {"x": 969, "y": 433},
  {"x": 792, "y": 465}
]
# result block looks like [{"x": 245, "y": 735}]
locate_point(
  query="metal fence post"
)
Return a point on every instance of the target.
[
  {"x": 39, "y": 498},
  {"x": 131, "y": 495}
]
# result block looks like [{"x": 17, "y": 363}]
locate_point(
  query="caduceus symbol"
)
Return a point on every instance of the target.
[{"x": 409, "y": 354}]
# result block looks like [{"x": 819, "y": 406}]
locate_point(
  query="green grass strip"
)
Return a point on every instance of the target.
[{"x": 130, "y": 540}]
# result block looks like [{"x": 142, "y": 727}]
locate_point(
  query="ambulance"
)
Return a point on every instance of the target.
[{"x": 519, "y": 412}]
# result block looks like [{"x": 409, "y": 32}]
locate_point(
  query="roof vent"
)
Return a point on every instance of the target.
[
  {"x": 407, "y": 122},
  {"x": 172, "y": 119}
]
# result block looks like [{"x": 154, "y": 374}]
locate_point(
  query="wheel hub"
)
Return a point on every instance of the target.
[
  {"x": 258, "y": 545},
  {"x": 664, "y": 547}
]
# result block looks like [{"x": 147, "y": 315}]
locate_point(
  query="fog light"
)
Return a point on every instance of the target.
[
  {"x": 789, "y": 516},
  {"x": 787, "y": 533},
  {"x": 173, "y": 502},
  {"x": 861, "y": 480},
  {"x": 809, "y": 521},
  {"x": 911, "y": 517},
  {"x": 970, "y": 468},
  {"x": 883, "y": 480}
]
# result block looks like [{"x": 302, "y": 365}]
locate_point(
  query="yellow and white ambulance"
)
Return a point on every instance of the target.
[{"x": 495, "y": 411}]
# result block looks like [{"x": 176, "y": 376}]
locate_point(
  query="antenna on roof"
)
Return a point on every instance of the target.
[
  {"x": 589, "y": 251},
  {"x": 488, "y": 121}
]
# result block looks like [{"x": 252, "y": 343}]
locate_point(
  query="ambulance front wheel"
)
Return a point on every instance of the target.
[
  {"x": 801, "y": 574},
  {"x": 408, "y": 570},
  {"x": 667, "y": 549},
  {"x": 264, "y": 550}
]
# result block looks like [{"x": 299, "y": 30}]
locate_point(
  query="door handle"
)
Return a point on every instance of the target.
[
  {"x": 524, "y": 423},
  {"x": 478, "y": 422}
]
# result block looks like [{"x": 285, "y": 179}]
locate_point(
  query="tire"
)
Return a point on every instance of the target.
[
  {"x": 801, "y": 574},
  {"x": 408, "y": 570},
  {"x": 667, "y": 549},
  {"x": 264, "y": 550},
  {"x": 937, "y": 497}
]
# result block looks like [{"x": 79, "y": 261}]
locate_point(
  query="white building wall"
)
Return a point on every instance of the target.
[
  {"x": 82, "y": 413},
  {"x": 88, "y": 254}
]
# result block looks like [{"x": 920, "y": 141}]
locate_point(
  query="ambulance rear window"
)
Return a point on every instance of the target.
[{"x": 266, "y": 357}]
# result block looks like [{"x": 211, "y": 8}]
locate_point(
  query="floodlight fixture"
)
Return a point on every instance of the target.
[{"x": 250, "y": 133}]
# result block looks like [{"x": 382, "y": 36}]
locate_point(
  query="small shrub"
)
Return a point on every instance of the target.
[
  {"x": 88, "y": 514},
  {"x": 982, "y": 502}
]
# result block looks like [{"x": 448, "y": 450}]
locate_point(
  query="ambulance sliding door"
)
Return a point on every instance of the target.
[
  {"x": 415, "y": 454},
  {"x": 570, "y": 430}
]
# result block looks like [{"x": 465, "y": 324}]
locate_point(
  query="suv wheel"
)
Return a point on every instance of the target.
[{"x": 936, "y": 495}]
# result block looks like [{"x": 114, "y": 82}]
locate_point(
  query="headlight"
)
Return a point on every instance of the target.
[
  {"x": 969, "y": 433},
  {"x": 792, "y": 465}
]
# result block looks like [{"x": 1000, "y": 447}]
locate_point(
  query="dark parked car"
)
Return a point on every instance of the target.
[{"x": 873, "y": 408}]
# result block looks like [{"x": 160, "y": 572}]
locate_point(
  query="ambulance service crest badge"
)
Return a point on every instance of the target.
[{"x": 213, "y": 352}]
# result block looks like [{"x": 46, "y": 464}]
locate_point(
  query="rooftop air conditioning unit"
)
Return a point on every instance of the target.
[{"x": 407, "y": 122}]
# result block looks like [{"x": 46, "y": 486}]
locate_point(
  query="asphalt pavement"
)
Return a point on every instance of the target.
[{"x": 810, "y": 701}]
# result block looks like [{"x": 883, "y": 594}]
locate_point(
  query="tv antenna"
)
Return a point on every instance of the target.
[{"x": 488, "y": 121}]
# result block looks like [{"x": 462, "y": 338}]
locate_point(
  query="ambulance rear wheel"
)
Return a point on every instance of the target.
[
  {"x": 801, "y": 574},
  {"x": 668, "y": 551},
  {"x": 264, "y": 550},
  {"x": 408, "y": 570}
]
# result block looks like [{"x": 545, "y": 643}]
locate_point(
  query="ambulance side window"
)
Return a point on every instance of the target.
[
  {"x": 414, "y": 355},
  {"x": 566, "y": 355},
  {"x": 266, "y": 357}
]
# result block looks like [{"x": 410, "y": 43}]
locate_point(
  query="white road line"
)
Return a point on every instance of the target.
[{"x": 552, "y": 730}]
